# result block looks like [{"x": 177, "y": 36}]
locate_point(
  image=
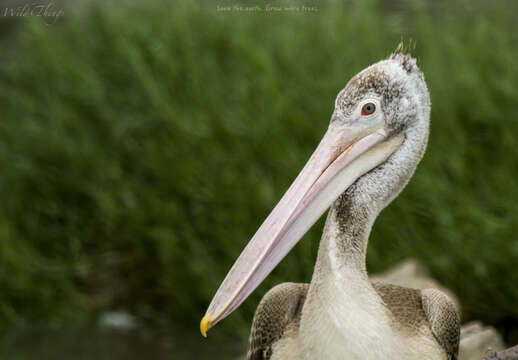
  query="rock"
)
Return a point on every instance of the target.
[
  {"x": 119, "y": 320},
  {"x": 476, "y": 340},
  {"x": 509, "y": 354}
]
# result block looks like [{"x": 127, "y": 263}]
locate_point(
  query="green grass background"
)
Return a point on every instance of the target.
[{"x": 141, "y": 145}]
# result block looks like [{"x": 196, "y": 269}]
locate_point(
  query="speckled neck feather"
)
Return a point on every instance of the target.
[{"x": 355, "y": 211}]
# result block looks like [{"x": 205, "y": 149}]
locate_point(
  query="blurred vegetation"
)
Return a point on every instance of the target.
[{"x": 141, "y": 145}]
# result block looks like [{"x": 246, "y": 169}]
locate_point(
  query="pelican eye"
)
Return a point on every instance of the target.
[{"x": 368, "y": 108}]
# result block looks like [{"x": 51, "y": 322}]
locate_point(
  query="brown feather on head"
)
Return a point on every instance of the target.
[
  {"x": 403, "y": 55},
  {"x": 400, "y": 48}
]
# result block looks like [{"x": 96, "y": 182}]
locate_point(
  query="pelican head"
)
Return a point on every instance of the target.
[{"x": 377, "y": 135}]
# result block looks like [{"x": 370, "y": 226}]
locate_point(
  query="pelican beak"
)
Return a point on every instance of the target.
[{"x": 344, "y": 154}]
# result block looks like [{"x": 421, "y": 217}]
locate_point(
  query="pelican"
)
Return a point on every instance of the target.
[{"x": 377, "y": 135}]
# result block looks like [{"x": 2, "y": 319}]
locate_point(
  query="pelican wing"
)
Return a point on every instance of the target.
[
  {"x": 277, "y": 316},
  {"x": 444, "y": 319},
  {"x": 431, "y": 308}
]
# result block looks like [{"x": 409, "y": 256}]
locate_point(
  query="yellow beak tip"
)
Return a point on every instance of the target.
[{"x": 205, "y": 325}]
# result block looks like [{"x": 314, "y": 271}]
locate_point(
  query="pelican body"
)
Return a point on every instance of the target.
[{"x": 376, "y": 137}]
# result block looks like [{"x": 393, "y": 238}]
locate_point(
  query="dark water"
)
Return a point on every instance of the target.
[{"x": 96, "y": 343}]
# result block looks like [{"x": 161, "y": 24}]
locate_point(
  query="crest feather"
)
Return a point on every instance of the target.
[{"x": 403, "y": 56}]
